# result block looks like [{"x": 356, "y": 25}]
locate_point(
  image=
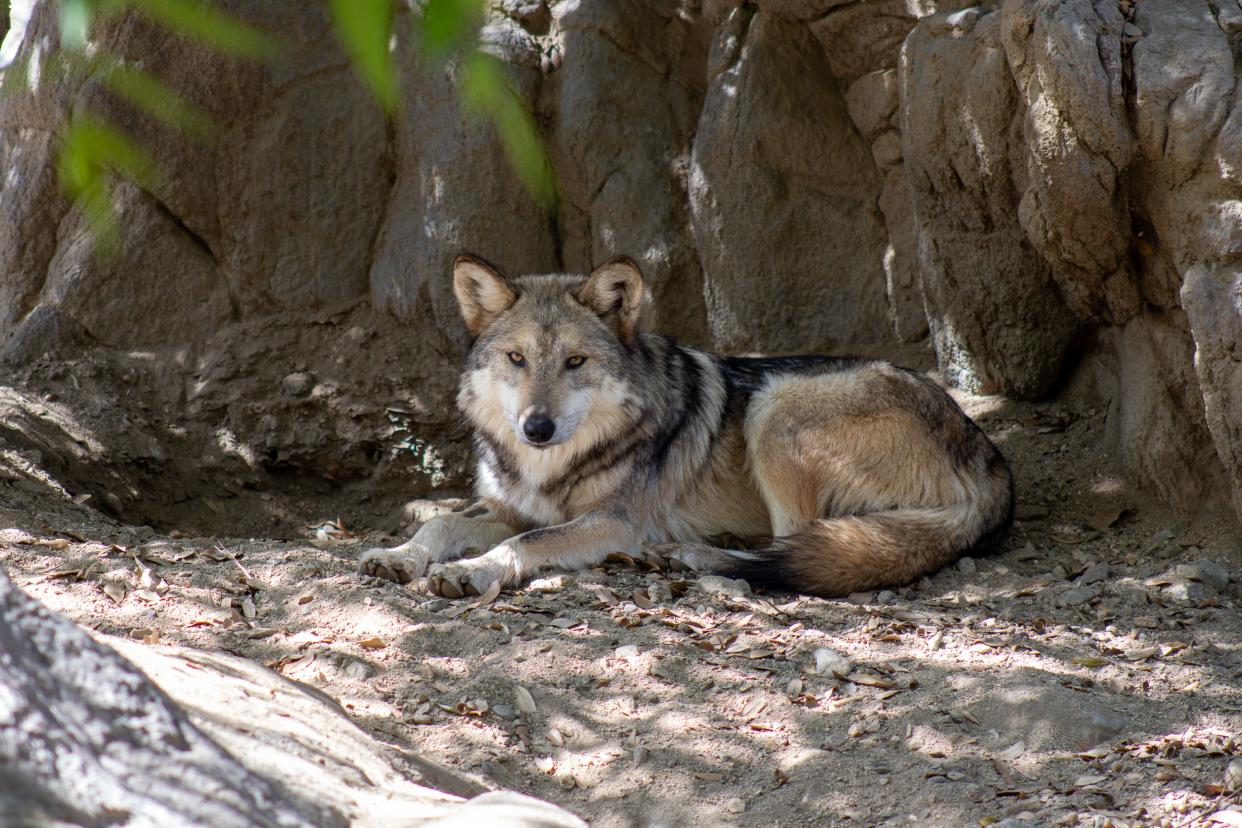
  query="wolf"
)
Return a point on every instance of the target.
[{"x": 835, "y": 475}]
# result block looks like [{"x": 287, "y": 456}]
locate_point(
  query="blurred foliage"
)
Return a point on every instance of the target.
[{"x": 93, "y": 151}]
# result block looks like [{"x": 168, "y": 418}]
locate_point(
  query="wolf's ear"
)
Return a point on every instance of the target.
[
  {"x": 482, "y": 292},
  {"x": 615, "y": 292}
]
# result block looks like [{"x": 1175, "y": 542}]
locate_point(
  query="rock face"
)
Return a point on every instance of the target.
[
  {"x": 1039, "y": 190},
  {"x": 190, "y": 737}
]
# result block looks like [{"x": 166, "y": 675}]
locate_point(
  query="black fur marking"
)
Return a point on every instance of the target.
[
  {"x": 493, "y": 454},
  {"x": 689, "y": 380},
  {"x": 770, "y": 570}
]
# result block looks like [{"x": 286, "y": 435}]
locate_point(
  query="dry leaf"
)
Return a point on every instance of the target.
[
  {"x": 1089, "y": 779},
  {"x": 372, "y": 643},
  {"x": 525, "y": 702},
  {"x": 1232, "y": 818},
  {"x": 708, "y": 777},
  {"x": 305, "y": 599},
  {"x": 54, "y": 543},
  {"x": 1012, "y": 752},
  {"x": 753, "y": 708},
  {"x": 114, "y": 591}
]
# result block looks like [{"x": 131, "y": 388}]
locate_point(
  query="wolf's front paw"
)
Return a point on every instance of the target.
[
  {"x": 400, "y": 565},
  {"x": 473, "y": 576}
]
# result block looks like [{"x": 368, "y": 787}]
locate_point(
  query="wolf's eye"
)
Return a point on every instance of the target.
[
  {"x": 574, "y": 362},
  {"x": 517, "y": 359}
]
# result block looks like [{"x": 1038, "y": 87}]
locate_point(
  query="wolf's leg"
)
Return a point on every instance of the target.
[
  {"x": 442, "y": 538},
  {"x": 586, "y": 540}
]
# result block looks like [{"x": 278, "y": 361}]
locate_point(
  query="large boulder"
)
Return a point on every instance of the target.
[
  {"x": 783, "y": 191},
  {"x": 998, "y": 323}
]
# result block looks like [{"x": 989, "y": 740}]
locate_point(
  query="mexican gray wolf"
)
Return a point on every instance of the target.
[{"x": 838, "y": 475}]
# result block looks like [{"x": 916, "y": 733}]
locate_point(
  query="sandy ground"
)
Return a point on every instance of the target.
[{"x": 1087, "y": 675}]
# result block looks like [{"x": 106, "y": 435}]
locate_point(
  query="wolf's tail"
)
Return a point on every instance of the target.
[{"x": 837, "y": 556}]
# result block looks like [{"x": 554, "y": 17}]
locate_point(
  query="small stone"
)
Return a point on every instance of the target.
[
  {"x": 359, "y": 670},
  {"x": 736, "y": 805},
  {"x": 298, "y": 384},
  {"x": 1207, "y": 572},
  {"x": 967, "y": 566},
  {"x": 626, "y": 651},
  {"x": 553, "y": 584},
  {"x": 435, "y": 605},
  {"x": 1093, "y": 575},
  {"x": 504, "y": 711},
  {"x": 1233, "y": 775},
  {"x": 860, "y": 597},
  {"x": 1076, "y": 596},
  {"x": 831, "y": 663},
  {"x": 1130, "y": 30},
  {"x": 1188, "y": 591},
  {"x": 885, "y": 597},
  {"x": 733, "y": 587}
]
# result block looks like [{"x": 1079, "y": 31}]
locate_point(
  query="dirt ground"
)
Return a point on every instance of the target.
[{"x": 1088, "y": 674}]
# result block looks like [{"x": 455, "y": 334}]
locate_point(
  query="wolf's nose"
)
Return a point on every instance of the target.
[{"x": 539, "y": 428}]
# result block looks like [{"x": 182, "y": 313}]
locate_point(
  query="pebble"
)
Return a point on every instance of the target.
[
  {"x": 1076, "y": 596},
  {"x": 298, "y": 384},
  {"x": 736, "y": 805},
  {"x": 733, "y": 587},
  {"x": 504, "y": 711},
  {"x": 886, "y": 597},
  {"x": 1208, "y": 572},
  {"x": 1233, "y": 775},
  {"x": 435, "y": 605},
  {"x": 967, "y": 566},
  {"x": 1093, "y": 575},
  {"x": 831, "y": 663},
  {"x": 1189, "y": 591}
]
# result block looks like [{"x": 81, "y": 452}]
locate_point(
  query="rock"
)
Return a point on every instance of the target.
[
  {"x": 967, "y": 566},
  {"x": 1209, "y": 572},
  {"x": 997, "y": 320},
  {"x": 735, "y": 805},
  {"x": 1076, "y": 596},
  {"x": 831, "y": 663},
  {"x": 504, "y": 711},
  {"x": 1210, "y": 294},
  {"x": 435, "y": 605},
  {"x": 756, "y": 162},
  {"x": 1233, "y": 775},
  {"x": 717, "y": 584},
  {"x": 298, "y": 384},
  {"x": 1093, "y": 574},
  {"x": 1191, "y": 592},
  {"x": 134, "y": 750}
]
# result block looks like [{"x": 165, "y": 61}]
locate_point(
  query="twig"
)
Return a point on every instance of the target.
[{"x": 233, "y": 558}]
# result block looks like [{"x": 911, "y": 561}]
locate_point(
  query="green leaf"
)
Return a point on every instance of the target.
[
  {"x": 203, "y": 22},
  {"x": 91, "y": 152},
  {"x": 448, "y": 26},
  {"x": 485, "y": 89},
  {"x": 364, "y": 28},
  {"x": 161, "y": 101},
  {"x": 75, "y": 22}
]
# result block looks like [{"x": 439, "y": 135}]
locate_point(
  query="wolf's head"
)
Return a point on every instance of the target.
[{"x": 550, "y": 352}]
